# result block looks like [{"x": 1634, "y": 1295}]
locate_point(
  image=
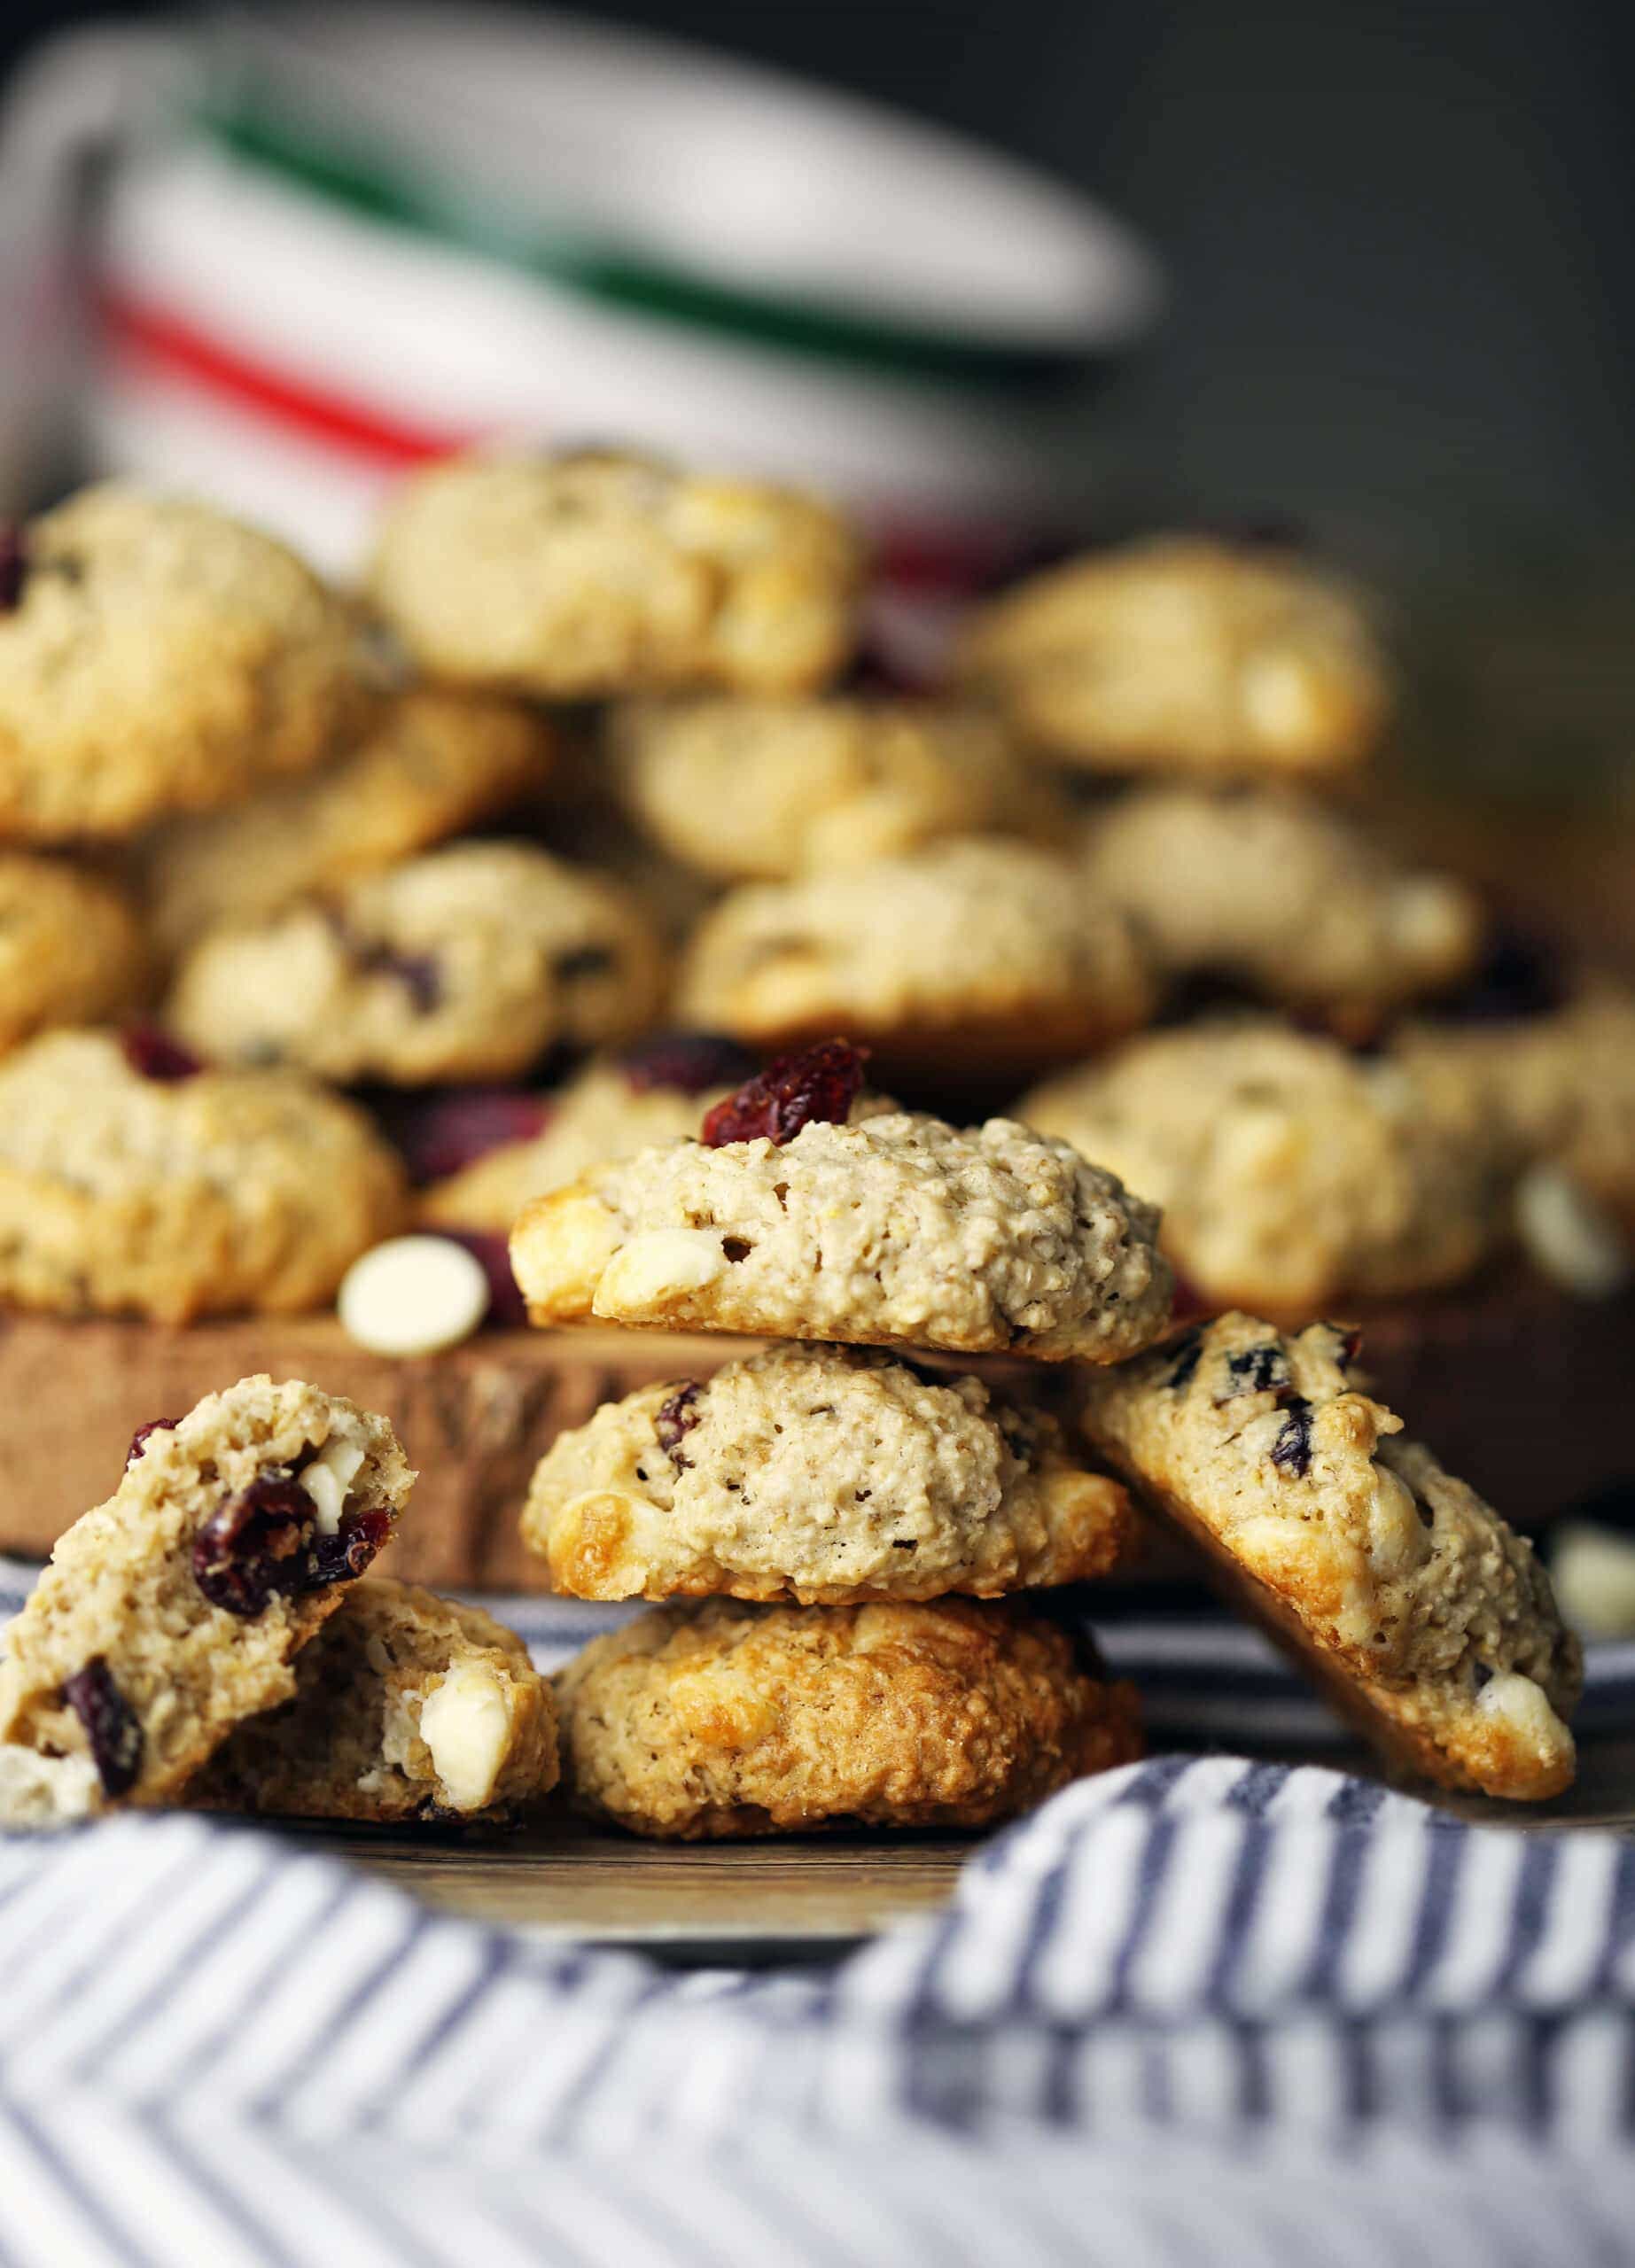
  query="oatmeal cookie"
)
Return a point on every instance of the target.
[
  {"x": 132, "y": 1179},
  {"x": 156, "y": 657},
  {"x": 1289, "y": 1171},
  {"x": 656, "y": 1091},
  {"x": 431, "y": 765},
  {"x": 71, "y": 950},
  {"x": 1185, "y": 655},
  {"x": 1429, "y": 1623},
  {"x": 978, "y": 959},
  {"x": 1560, "y": 1086},
  {"x": 1274, "y": 891},
  {"x": 468, "y": 963},
  {"x": 733, "y": 1720},
  {"x": 604, "y": 573},
  {"x": 825, "y": 1474},
  {"x": 406, "y": 1706},
  {"x": 893, "y": 1227},
  {"x": 174, "y": 1611},
  {"x": 750, "y": 791}
]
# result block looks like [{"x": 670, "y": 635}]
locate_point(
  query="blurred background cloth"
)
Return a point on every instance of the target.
[{"x": 1397, "y": 232}]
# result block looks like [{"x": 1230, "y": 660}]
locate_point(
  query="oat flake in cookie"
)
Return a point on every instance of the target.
[
  {"x": 880, "y": 1225},
  {"x": 825, "y": 1474},
  {"x": 174, "y": 1611},
  {"x": 1428, "y": 1622},
  {"x": 407, "y": 1706},
  {"x": 729, "y": 1720}
]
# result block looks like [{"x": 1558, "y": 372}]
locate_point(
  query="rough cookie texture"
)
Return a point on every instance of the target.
[
  {"x": 407, "y": 1706},
  {"x": 433, "y": 765},
  {"x": 597, "y": 1117},
  {"x": 70, "y": 947},
  {"x": 1289, "y": 1171},
  {"x": 465, "y": 964},
  {"x": 161, "y": 658},
  {"x": 824, "y": 1474},
  {"x": 971, "y": 957},
  {"x": 605, "y": 573},
  {"x": 1560, "y": 1086},
  {"x": 895, "y": 1227},
  {"x": 1272, "y": 890},
  {"x": 763, "y": 789},
  {"x": 174, "y": 1611},
  {"x": 1432, "y": 1625},
  {"x": 731, "y": 1720},
  {"x": 179, "y": 1197},
  {"x": 1186, "y": 655}
]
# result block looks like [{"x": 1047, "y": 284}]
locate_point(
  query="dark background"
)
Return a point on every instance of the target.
[{"x": 1400, "y": 234}]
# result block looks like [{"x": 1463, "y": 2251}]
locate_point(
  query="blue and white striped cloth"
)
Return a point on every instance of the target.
[{"x": 1202, "y": 2010}]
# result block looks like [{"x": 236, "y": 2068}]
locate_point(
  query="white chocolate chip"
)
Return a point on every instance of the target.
[
  {"x": 659, "y": 1264},
  {"x": 45, "y": 1791},
  {"x": 1281, "y": 697},
  {"x": 412, "y": 1295},
  {"x": 1523, "y": 1706},
  {"x": 1568, "y": 1236},
  {"x": 327, "y": 1478},
  {"x": 1593, "y": 1570},
  {"x": 466, "y": 1724}
]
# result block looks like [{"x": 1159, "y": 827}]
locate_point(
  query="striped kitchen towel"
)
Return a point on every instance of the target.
[
  {"x": 1204, "y": 2009},
  {"x": 1194, "y": 2012}
]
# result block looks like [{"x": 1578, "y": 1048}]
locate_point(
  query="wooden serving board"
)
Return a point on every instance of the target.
[
  {"x": 1519, "y": 1389},
  {"x": 792, "y": 1898}
]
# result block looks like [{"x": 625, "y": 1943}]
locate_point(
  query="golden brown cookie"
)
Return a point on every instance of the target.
[
  {"x": 1427, "y": 1620},
  {"x": 604, "y": 573},
  {"x": 731, "y": 1720},
  {"x": 174, "y": 1611},
  {"x": 407, "y": 1706},
  {"x": 825, "y": 1474},
  {"x": 71, "y": 950}
]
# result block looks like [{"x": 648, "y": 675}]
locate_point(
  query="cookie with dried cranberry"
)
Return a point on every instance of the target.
[
  {"x": 1291, "y": 1172},
  {"x": 71, "y": 948},
  {"x": 1274, "y": 892},
  {"x": 175, "y": 1609},
  {"x": 828, "y": 1475},
  {"x": 469, "y": 963},
  {"x": 135, "y": 1180},
  {"x": 581, "y": 576},
  {"x": 751, "y": 790},
  {"x": 729, "y": 1720},
  {"x": 1430, "y": 1624},
  {"x": 431, "y": 764},
  {"x": 406, "y": 1706},
  {"x": 157, "y": 656},
  {"x": 811, "y": 1210},
  {"x": 1183, "y": 653},
  {"x": 656, "y": 1091},
  {"x": 976, "y": 961}
]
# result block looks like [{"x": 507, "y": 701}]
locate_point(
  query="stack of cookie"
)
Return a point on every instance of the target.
[
  {"x": 856, "y": 1515},
  {"x": 202, "y": 1638}
]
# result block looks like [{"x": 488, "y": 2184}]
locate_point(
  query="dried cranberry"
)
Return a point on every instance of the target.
[
  {"x": 13, "y": 566},
  {"x": 691, "y": 1062},
  {"x": 676, "y": 1420},
  {"x": 507, "y": 1308},
  {"x": 820, "y": 1083},
  {"x": 154, "y": 1054},
  {"x": 114, "y": 1735},
  {"x": 1189, "y": 1351},
  {"x": 1188, "y": 1301},
  {"x": 1256, "y": 1369},
  {"x": 443, "y": 1134},
  {"x": 417, "y": 973},
  {"x": 1291, "y": 1452},
  {"x": 139, "y": 1438},
  {"x": 261, "y": 1544}
]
